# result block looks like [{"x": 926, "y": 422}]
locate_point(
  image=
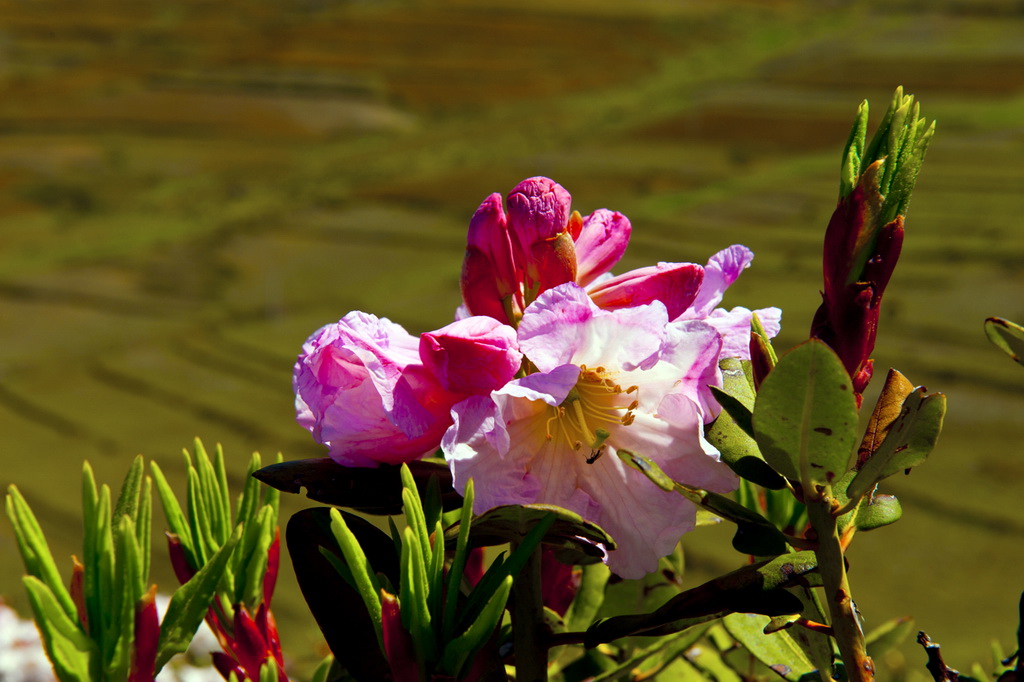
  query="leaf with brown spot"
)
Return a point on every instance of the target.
[{"x": 896, "y": 389}]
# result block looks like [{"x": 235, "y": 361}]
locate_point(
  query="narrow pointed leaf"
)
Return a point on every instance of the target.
[
  {"x": 498, "y": 570},
  {"x": 362, "y": 572},
  {"x": 338, "y": 608},
  {"x": 128, "y": 498},
  {"x": 172, "y": 512},
  {"x": 458, "y": 563},
  {"x": 73, "y": 655},
  {"x": 462, "y": 648},
  {"x": 35, "y": 552},
  {"x": 189, "y": 603}
]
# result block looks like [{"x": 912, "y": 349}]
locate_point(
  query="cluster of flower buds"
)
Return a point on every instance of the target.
[
  {"x": 243, "y": 554},
  {"x": 865, "y": 234}
]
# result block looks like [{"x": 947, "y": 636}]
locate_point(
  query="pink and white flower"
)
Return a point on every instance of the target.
[
  {"x": 362, "y": 390},
  {"x": 722, "y": 270},
  {"x": 605, "y": 381}
]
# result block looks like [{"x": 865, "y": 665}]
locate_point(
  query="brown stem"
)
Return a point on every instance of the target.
[{"x": 832, "y": 565}]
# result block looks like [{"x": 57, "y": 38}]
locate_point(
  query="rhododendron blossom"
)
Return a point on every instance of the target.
[
  {"x": 539, "y": 243},
  {"x": 604, "y": 381},
  {"x": 362, "y": 390}
]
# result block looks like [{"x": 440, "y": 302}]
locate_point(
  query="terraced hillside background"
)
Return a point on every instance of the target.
[{"x": 188, "y": 189}]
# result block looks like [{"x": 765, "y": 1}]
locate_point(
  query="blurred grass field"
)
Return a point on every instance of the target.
[{"x": 187, "y": 190}]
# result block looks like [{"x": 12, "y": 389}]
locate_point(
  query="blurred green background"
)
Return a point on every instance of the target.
[{"x": 188, "y": 189}]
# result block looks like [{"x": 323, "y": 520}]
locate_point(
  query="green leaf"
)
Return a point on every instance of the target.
[
  {"x": 778, "y": 650},
  {"x": 190, "y": 601},
  {"x": 415, "y": 593},
  {"x": 805, "y": 416},
  {"x": 414, "y": 515},
  {"x": 119, "y": 635},
  {"x": 339, "y": 609},
  {"x": 254, "y": 566},
  {"x": 754, "y": 533},
  {"x": 175, "y": 517},
  {"x": 217, "y": 520},
  {"x": 732, "y": 434},
  {"x": 35, "y": 552},
  {"x": 589, "y": 597},
  {"x": 128, "y": 498},
  {"x": 144, "y": 528},
  {"x": 648, "y": 467},
  {"x": 853, "y": 153},
  {"x": 708, "y": 660},
  {"x": 888, "y": 636},
  {"x": 104, "y": 559},
  {"x": 366, "y": 580},
  {"x": 908, "y": 442},
  {"x": 667, "y": 648},
  {"x": 818, "y": 646},
  {"x": 374, "y": 491},
  {"x": 71, "y": 652},
  {"x": 1007, "y": 336},
  {"x": 459, "y": 559},
  {"x": 462, "y": 648},
  {"x": 756, "y": 588},
  {"x": 498, "y": 570},
  {"x": 199, "y": 518},
  {"x": 323, "y": 670},
  {"x": 577, "y": 538},
  {"x": 876, "y": 511},
  {"x": 268, "y": 672},
  {"x": 733, "y": 431}
]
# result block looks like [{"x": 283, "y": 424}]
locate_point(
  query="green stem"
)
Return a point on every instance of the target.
[
  {"x": 832, "y": 564},
  {"x": 529, "y": 633}
]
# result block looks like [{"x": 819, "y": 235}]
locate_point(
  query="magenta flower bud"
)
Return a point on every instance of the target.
[
  {"x": 538, "y": 223},
  {"x": 674, "y": 284},
  {"x": 362, "y": 391},
  {"x": 490, "y": 280},
  {"x": 472, "y": 356},
  {"x": 512, "y": 258},
  {"x": 538, "y": 210},
  {"x": 600, "y": 244}
]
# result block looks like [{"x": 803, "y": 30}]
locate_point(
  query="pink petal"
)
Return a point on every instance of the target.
[
  {"x": 472, "y": 356},
  {"x": 538, "y": 210},
  {"x": 734, "y": 326},
  {"x": 362, "y": 391},
  {"x": 722, "y": 270},
  {"x": 564, "y": 325},
  {"x": 601, "y": 243},
  {"x": 674, "y": 284},
  {"x": 489, "y": 271}
]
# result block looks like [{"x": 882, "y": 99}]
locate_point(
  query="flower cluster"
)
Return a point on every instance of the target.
[{"x": 552, "y": 367}]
